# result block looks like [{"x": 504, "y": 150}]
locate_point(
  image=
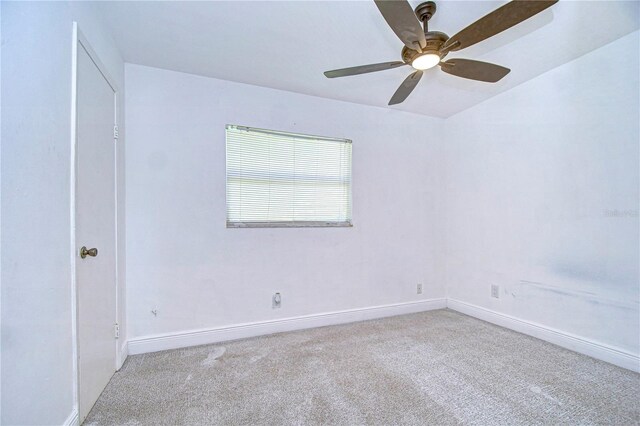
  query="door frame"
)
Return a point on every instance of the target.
[{"x": 80, "y": 41}]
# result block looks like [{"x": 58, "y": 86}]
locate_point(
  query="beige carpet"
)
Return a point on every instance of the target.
[{"x": 437, "y": 367}]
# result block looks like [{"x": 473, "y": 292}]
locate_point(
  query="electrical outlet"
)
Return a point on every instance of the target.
[
  {"x": 419, "y": 288},
  {"x": 276, "y": 301},
  {"x": 495, "y": 291}
]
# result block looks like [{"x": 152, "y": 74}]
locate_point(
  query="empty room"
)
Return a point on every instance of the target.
[{"x": 372, "y": 212}]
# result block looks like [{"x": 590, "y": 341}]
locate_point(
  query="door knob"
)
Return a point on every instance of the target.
[{"x": 84, "y": 252}]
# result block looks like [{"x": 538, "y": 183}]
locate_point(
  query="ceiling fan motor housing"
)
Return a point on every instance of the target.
[{"x": 435, "y": 41}]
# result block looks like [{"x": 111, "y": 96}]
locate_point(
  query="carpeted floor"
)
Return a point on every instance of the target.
[{"x": 437, "y": 368}]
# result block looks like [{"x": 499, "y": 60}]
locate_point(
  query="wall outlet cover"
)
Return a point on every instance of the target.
[
  {"x": 419, "y": 288},
  {"x": 276, "y": 301},
  {"x": 495, "y": 291}
]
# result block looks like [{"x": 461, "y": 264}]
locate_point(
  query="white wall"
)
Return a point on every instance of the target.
[
  {"x": 534, "y": 179},
  {"x": 183, "y": 262},
  {"x": 37, "y": 377}
]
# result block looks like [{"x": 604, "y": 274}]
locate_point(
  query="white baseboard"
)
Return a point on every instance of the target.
[
  {"x": 72, "y": 420},
  {"x": 240, "y": 331},
  {"x": 578, "y": 344},
  {"x": 122, "y": 355},
  {"x": 183, "y": 339}
]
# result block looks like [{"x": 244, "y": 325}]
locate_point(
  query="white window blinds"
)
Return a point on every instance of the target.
[{"x": 284, "y": 179}]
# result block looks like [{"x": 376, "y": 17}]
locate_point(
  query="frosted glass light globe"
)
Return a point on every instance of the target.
[{"x": 426, "y": 61}]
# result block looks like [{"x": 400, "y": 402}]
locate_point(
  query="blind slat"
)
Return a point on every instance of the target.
[{"x": 284, "y": 179}]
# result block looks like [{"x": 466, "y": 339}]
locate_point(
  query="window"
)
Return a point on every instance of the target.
[{"x": 285, "y": 179}]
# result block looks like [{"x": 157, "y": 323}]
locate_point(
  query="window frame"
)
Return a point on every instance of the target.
[{"x": 288, "y": 224}]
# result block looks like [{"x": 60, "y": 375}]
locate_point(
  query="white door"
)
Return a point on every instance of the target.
[{"x": 95, "y": 229}]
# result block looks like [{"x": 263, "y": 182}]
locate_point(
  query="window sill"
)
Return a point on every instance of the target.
[{"x": 309, "y": 224}]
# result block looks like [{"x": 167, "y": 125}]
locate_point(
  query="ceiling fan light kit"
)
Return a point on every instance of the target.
[
  {"x": 425, "y": 49},
  {"x": 431, "y": 54},
  {"x": 425, "y": 61}
]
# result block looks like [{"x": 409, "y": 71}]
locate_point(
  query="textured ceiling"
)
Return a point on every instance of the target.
[{"x": 288, "y": 45}]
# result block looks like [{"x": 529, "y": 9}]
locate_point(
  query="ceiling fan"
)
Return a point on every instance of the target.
[{"x": 425, "y": 49}]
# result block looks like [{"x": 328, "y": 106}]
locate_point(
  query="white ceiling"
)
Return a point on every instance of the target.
[{"x": 288, "y": 44}]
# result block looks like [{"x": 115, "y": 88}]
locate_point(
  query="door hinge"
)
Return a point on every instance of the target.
[
  {"x": 115, "y": 132},
  {"x": 116, "y": 330}
]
